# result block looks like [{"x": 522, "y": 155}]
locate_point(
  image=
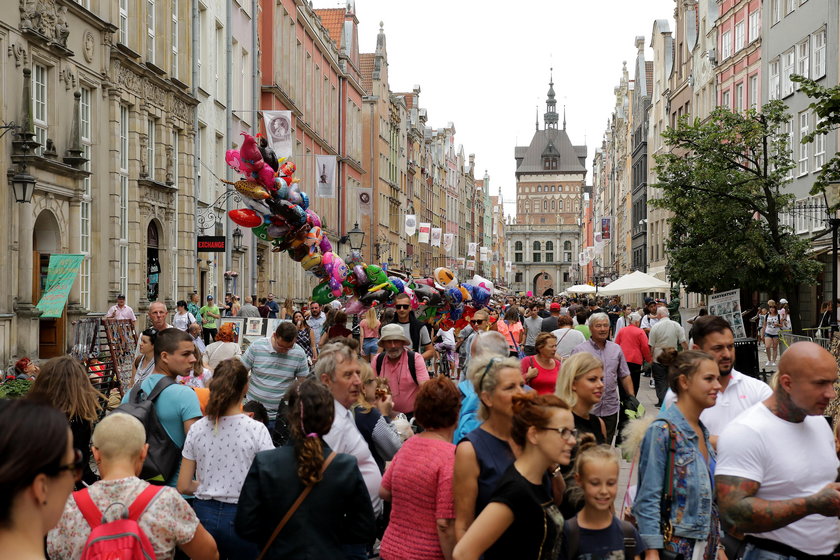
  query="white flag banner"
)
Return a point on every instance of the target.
[
  {"x": 365, "y": 199},
  {"x": 462, "y": 262},
  {"x": 471, "y": 264},
  {"x": 508, "y": 266},
  {"x": 473, "y": 247},
  {"x": 410, "y": 224},
  {"x": 448, "y": 241},
  {"x": 425, "y": 232},
  {"x": 278, "y": 127},
  {"x": 582, "y": 259},
  {"x": 325, "y": 167},
  {"x": 437, "y": 234},
  {"x": 484, "y": 253}
]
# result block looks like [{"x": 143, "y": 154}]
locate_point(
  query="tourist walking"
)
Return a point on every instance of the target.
[{"x": 540, "y": 370}]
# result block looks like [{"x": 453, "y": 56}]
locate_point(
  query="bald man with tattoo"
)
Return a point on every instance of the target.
[{"x": 777, "y": 468}]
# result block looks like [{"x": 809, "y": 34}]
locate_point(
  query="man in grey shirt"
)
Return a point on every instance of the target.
[
  {"x": 533, "y": 325},
  {"x": 248, "y": 308}
]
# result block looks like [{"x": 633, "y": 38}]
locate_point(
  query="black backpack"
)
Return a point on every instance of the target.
[
  {"x": 164, "y": 456},
  {"x": 412, "y": 367},
  {"x": 573, "y": 543}
]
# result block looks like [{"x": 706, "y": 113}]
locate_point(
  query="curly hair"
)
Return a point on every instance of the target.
[
  {"x": 311, "y": 413},
  {"x": 437, "y": 403},
  {"x": 225, "y": 333},
  {"x": 532, "y": 410},
  {"x": 227, "y": 386},
  {"x": 64, "y": 384}
]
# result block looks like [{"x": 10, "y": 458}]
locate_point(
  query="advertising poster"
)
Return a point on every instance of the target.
[
  {"x": 606, "y": 228},
  {"x": 728, "y": 306}
]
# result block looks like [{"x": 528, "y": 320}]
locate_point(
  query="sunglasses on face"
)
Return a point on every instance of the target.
[
  {"x": 402, "y": 306},
  {"x": 75, "y": 467},
  {"x": 477, "y": 322}
]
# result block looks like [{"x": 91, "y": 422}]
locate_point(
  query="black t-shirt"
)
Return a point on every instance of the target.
[
  {"x": 549, "y": 324},
  {"x": 537, "y": 523},
  {"x": 543, "y": 313},
  {"x": 592, "y": 426},
  {"x": 600, "y": 544}
]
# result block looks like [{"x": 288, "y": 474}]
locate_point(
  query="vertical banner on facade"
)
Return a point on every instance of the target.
[
  {"x": 606, "y": 228},
  {"x": 365, "y": 200},
  {"x": 471, "y": 264},
  {"x": 471, "y": 249},
  {"x": 437, "y": 233},
  {"x": 448, "y": 241},
  {"x": 278, "y": 126},
  {"x": 462, "y": 262},
  {"x": 728, "y": 305},
  {"x": 325, "y": 167},
  {"x": 425, "y": 232},
  {"x": 61, "y": 274},
  {"x": 508, "y": 266},
  {"x": 484, "y": 254},
  {"x": 410, "y": 224}
]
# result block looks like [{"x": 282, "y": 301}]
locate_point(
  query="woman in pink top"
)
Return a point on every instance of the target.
[
  {"x": 512, "y": 330},
  {"x": 419, "y": 481},
  {"x": 369, "y": 327},
  {"x": 540, "y": 370}
]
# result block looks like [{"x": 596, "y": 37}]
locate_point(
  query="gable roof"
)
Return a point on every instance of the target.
[
  {"x": 332, "y": 19},
  {"x": 551, "y": 141},
  {"x": 366, "y": 65}
]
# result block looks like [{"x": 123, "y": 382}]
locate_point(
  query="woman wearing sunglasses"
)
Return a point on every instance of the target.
[
  {"x": 38, "y": 467},
  {"x": 522, "y": 521}
]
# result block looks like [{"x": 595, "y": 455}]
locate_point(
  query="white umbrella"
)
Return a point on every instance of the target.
[
  {"x": 634, "y": 283},
  {"x": 581, "y": 289}
]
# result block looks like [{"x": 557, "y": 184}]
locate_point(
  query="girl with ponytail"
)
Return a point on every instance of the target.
[
  {"x": 336, "y": 510},
  {"x": 217, "y": 453},
  {"x": 521, "y": 520}
]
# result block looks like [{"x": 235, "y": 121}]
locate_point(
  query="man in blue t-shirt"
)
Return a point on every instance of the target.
[
  {"x": 273, "y": 307},
  {"x": 177, "y": 407}
]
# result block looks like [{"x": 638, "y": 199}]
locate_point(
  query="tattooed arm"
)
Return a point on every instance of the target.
[{"x": 742, "y": 512}]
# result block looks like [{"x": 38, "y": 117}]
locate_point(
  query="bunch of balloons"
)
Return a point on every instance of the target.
[{"x": 278, "y": 211}]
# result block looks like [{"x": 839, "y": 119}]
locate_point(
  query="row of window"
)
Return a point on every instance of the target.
[
  {"x": 152, "y": 18},
  {"x": 804, "y": 123},
  {"x": 806, "y": 58},
  {"x": 546, "y": 188},
  {"x": 549, "y": 246},
  {"x": 782, "y": 7},
  {"x": 555, "y": 204},
  {"x": 537, "y": 257},
  {"x": 519, "y": 277},
  {"x": 735, "y": 97},
  {"x": 732, "y": 41},
  {"x": 807, "y": 216}
]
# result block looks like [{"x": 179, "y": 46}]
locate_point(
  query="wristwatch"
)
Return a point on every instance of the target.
[{"x": 555, "y": 472}]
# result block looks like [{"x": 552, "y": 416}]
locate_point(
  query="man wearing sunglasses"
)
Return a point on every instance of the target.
[
  {"x": 478, "y": 323},
  {"x": 414, "y": 329}
]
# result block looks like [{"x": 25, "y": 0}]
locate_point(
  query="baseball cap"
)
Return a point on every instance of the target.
[
  {"x": 121, "y": 296},
  {"x": 209, "y": 297},
  {"x": 783, "y": 301},
  {"x": 649, "y": 300},
  {"x": 555, "y": 306}
]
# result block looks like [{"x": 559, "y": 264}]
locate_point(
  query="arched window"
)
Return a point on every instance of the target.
[
  {"x": 518, "y": 246},
  {"x": 536, "y": 245},
  {"x": 549, "y": 245},
  {"x": 545, "y": 205},
  {"x": 567, "y": 246},
  {"x": 554, "y": 205},
  {"x": 539, "y": 188}
]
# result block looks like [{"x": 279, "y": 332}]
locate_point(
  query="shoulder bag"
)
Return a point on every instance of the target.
[
  {"x": 520, "y": 354},
  {"x": 667, "y": 497},
  {"x": 293, "y": 509}
]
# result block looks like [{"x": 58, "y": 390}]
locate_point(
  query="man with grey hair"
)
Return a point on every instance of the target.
[
  {"x": 339, "y": 369},
  {"x": 665, "y": 334},
  {"x": 615, "y": 370}
]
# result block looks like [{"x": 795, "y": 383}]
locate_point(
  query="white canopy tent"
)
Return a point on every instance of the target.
[
  {"x": 634, "y": 283},
  {"x": 580, "y": 289}
]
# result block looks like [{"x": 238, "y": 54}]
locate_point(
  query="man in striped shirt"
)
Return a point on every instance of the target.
[{"x": 275, "y": 362}]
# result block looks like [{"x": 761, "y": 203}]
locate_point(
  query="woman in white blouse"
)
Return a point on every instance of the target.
[{"x": 182, "y": 318}]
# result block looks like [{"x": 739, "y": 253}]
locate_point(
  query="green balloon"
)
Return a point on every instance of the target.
[
  {"x": 261, "y": 232},
  {"x": 322, "y": 293}
]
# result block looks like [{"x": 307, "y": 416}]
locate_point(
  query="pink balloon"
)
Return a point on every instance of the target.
[
  {"x": 266, "y": 176},
  {"x": 325, "y": 245},
  {"x": 234, "y": 160},
  {"x": 314, "y": 219}
]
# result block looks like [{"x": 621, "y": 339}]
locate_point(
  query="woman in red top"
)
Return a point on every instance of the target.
[
  {"x": 512, "y": 330},
  {"x": 540, "y": 370},
  {"x": 634, "y": 345}
]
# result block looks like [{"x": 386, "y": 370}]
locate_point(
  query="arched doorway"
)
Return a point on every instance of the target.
[
  {"x": 543, "y": 284},
  {"x": 152, "y": 262},
  {"x": 46, "y": 241}
]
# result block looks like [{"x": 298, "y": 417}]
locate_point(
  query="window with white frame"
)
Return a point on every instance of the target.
[
  {"x": 725, "y": 45},
  {"x": 173, "y": 65},
  {"x": 739, "y": 35},
  {"x": 818, "y": 54},
  {"x": 788, "y": 131},
  {"x": 774, "y": 82},
  {"x": 775, "y": 11},
  {"x": 150, "y": 148},
  {"x": 739, "y": 97},
  {"x": 151, "y": 14},
  {"x": 123, "y": 200},
  {"x": 124, "y": 22},
  {"x": 755, "y": 25},
  {"x": 84, "y": 3},
  {"x": 788, "y": 66},
  {"x": 790, "y": 5},
  {"x": 85, "y": 204},
  {"x": 726, "y": 99},
  {"x": 39, "y": 105},
  {"x": 803, "y": 59},
  {"x": 819, "y": 149},
  {"x": 800, "y": 214},
  {"x": 804, "y": 117},
  {"x": 754, "y": 97}
]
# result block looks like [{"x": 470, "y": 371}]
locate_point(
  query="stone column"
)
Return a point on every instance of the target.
[{"x": 75, "y": 247}]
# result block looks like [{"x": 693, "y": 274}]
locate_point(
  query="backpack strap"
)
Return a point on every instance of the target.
[
  {"x": 162, "y": 384},
  {"x": 572, "y": 538},
  {"x": 88, "y": 509},
  {"x": 412, "y": 367},
  {"x": 142, "y": 501},
  {"x": 379, "y": 359},
  {"x": 629, "y": 539}
]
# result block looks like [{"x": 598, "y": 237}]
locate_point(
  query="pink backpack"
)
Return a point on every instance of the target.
[{"x": 122, "y": 539}]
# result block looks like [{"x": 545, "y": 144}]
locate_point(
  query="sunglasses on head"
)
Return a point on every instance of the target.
[{"x": 402, "y": 306}]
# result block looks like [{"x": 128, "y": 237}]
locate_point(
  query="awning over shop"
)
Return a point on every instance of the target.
[{"x": 61, "y": 274}]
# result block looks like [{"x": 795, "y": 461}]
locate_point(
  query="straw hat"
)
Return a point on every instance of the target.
[{"x": 392, "y": 331}]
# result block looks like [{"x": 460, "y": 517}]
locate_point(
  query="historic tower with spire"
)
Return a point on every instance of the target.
[{"x": 550, "y": 180}]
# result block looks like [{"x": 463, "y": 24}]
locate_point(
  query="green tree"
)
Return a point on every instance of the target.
[
  {"x": 723, "y": 179},
  {"x": 826, "y": 107}
]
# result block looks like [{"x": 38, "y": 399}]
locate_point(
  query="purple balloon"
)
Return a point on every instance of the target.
[
  {"x": 325, "y": 245},
  {"x": 314, "y": 219}
]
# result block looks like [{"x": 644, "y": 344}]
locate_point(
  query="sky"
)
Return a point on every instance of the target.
[{"x": 485, "y": 66}]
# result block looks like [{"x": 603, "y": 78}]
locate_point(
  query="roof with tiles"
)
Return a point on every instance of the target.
[
  {"x": 366, "y": 64},
  {"x": 332, "y": 19},
  {"x": 649, "y": 76},
  {"x": 551, "y": 142}
]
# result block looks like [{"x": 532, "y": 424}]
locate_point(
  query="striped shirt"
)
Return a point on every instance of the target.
[{"x": 272, "y": 372}]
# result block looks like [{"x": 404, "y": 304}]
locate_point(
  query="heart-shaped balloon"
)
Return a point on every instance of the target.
[{"x": 245, "y": 217}]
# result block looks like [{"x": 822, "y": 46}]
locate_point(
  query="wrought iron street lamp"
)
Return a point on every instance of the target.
[
  {"x": 237, "y": 239},
  {"x": 356, "y": 237},
  {"x": 23, "y": 185},
  {"x": 831, "y": 193}
]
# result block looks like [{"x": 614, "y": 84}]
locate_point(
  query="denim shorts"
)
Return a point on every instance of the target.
[{"x": 370, "y": 346}]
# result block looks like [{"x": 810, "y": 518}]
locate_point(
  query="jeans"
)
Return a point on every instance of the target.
[
  {"x": 370, "y": 346},
  {"x": 660, "y": 381},
  {"x": 217, "y": 517},
  {"x": 753, "y": 553},
  {"x": 209, "y": 335}
]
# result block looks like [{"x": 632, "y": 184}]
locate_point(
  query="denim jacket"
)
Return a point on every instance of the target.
[{"x": 691, "y": 506}]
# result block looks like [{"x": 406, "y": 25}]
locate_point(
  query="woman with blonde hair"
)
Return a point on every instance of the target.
[
  {"x": 581, "y": 385},
  {"x": 288, "y": 309},
  {"x": 64, "y": 384},
  {"x": 223, "y": 348},
  {"x": 373, "y": 413},
  {"x": 369, "y": 329}
]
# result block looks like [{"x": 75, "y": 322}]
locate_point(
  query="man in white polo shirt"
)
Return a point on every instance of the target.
[{"x": 713, "y": 335}]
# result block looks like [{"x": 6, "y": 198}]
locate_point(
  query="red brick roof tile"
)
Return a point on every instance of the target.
[
  {"x": 332, "y": 19},
  {"x": 366, "y": 70}
]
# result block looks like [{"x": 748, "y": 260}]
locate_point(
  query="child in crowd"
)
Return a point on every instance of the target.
[{"x": 595, "y": 532}]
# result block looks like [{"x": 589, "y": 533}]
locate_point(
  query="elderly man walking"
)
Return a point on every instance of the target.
[
  {"x": 404, "y": 368},
  {"x": 615, "y": 370},
  {"x": 664, "y": 334}
]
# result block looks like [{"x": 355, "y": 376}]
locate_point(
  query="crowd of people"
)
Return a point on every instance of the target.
[{"x": 492, "y": 439}]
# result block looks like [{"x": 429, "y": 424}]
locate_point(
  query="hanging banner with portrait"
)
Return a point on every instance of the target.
[
  {"x": 410, "y": 224},
  {"x": 365, "y": 197},
  {"x": 278, "y": 126},
  {"x": 425, "y": 232},
  {"x": 437, "y": 233},
  {"x": 448, "y": 242}
]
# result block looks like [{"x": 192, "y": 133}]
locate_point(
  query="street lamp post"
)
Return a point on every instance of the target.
[{"x": 832, "y": 201}]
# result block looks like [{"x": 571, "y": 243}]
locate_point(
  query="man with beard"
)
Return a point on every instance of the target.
[
  {"x": 393, "y": 364},
  {"x": 713, "y": 335}
]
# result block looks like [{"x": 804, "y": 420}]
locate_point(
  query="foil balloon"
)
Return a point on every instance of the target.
[
  {"x": 261, "y": 232},
  {"x": 268, "y": 154},
  {"x": 246, "y": 217},
  {"x": 444, "y": 278},
  {"x": 266, "y": 176},
  {"x": 322, "y": 294},
  {"x": 325, "y": 245},
  {"x": 251, "y": 189},
  {"x": 354, "y": 306},
  {"x": 250, "y": 154},
  {"x": 304, "y": 200},
  {"x": 234, "y": 160},
  {"x": 312, "y": 218}
]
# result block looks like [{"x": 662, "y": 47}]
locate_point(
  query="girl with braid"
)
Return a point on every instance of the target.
[{"x": 217, "y": 454}]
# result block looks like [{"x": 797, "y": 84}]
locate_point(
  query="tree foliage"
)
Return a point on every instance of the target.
[
  {"x": 723, "y": 180},
  {"x": 826, "y": 107}
]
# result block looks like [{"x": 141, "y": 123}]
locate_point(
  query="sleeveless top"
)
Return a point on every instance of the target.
[
  {"x": 494, "y": 456},
  {"x": 304, "y": 342}
]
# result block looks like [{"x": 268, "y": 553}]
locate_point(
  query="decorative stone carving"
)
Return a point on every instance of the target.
[
  {"x": 170, "y": 162},
  {"x": 144, "y": 164},
  {"x": 19, "y": 53},
  {"x": 68, "y": 77},
  {"x": 46, "y": 18},
  {"x": 88, "y": 44},
  {"x": 49, "y": 149}
]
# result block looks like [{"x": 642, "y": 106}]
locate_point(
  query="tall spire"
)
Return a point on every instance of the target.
[
  {"x": 551, "y": 105},
  {"x": 564, "y": 117},
  {"x": 537, "y": 120}
]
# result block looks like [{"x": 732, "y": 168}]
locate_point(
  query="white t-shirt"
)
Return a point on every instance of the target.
[
  {"x": 665, "y": 334},
  {"x": 448, "y": 337},
  {"x": 741, "y": 393},
  {"x": 789, "y": 460},
  {"x": 567, "y": 339},
  {"x": 223, "y": 456},
  {"x": 183, "y": 322}
]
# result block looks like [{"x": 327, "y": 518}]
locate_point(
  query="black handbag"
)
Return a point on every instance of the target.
[{"x": 667, "y": 498}]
